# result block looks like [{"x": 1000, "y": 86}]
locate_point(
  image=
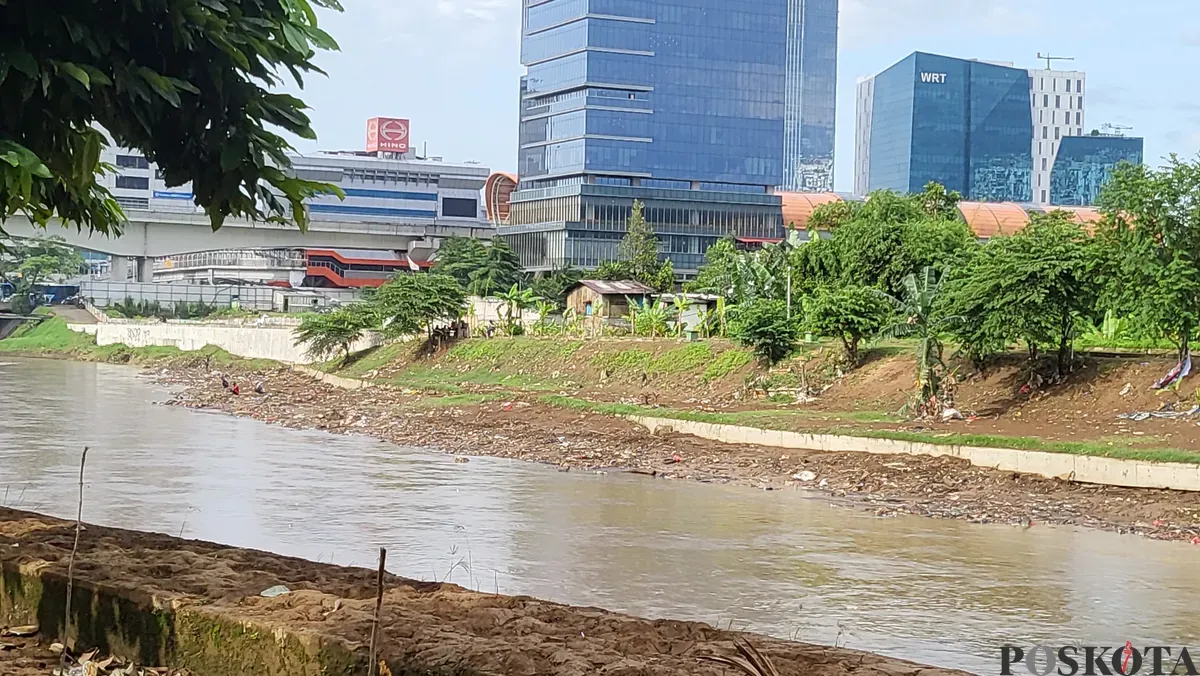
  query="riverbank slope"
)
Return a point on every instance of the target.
[{"x": 211, "y": 618}]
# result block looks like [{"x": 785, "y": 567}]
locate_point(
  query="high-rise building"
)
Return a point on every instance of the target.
[
  {"x": 960, "y": 122},
  {"x": 699, "y": 108},
  {"x": 1083, "y": 164},
  {"x": 966, "y": 124},
  {"x": 1058, "y": 113}
]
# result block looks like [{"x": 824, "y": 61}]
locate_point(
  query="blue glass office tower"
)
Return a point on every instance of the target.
[
  {"x": 1085, "y": 163},
  {"x": 965, "y": 124},
  {"x": 699, "y": 108}
]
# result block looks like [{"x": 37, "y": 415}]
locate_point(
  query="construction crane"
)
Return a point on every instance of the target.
[
  {"x": 1050, "y": 59},
  {"x": 1114, "y": 129}
]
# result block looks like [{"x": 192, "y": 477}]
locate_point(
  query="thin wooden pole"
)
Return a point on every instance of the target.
[
  {"x": 375, "y": 619},
  {"x": 71, "y": 567}
]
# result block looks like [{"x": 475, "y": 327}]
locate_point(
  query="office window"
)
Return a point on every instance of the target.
[
  {"x": 1078, "y": 118},
  {"x": 1056, "y": 133},
  {"x": 1039, "y": 180},
  {"x": 1041, "y": 116},
  {"x": 1058, "y": 101},
  {"x": 1068, "y": 86},
  {"x": 1079, "y": 131},
  {"x": 1043, "y": 164},
  {"x": 132, "y": 162},
  {"x": 1079, "y": 86},
  {"x": 1045, "y": 100},
  {"x": 1042, "y": 84},
  {"x": 1045, "y": 132},
  {"x": 1080, "y": 106},
  {"x": 1054, "y": 84},
  {"x": 1043, "y": 195},
  {"x": 133, "y": 182},
  {"x": 459, "y": 207}
]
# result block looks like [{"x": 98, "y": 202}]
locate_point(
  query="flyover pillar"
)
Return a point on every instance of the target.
[
  {"x": 145, "y": 269},
  {"x": 118, "y": 269}
]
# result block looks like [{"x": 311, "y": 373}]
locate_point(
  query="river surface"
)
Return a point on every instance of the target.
[{"x": 784, "y": 563}]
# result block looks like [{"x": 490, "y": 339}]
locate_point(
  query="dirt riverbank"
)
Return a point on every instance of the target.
[
  {"x": 424, "y": 627},
  {"x": 525, "y": 429}
]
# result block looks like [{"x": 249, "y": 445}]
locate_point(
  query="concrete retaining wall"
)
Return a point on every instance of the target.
[
  {"x": 1082, "y": 468},
  {"x": 276, "y": 343}
]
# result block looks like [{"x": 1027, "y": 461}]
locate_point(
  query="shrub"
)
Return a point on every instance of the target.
[{"x": 764, "y": 326}]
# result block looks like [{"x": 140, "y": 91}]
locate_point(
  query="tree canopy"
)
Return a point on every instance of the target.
[
  {"x": 190, "y": 83},
  {"x": 411, "y": 304},
  {"x": 481, "y": 269},
  {"x": 27, "y": 263}
]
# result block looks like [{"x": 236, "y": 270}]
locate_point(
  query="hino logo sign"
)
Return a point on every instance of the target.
[{"x": 936, "y": 78}]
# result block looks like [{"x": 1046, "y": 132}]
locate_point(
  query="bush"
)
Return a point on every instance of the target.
[
  {"x": 849, "y": 313},
  {"x": 764, "y": 326}
]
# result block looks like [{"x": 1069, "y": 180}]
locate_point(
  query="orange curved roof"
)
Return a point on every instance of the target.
[
  {"x": 989, "y": 219},
  {"x": 798, "y": 207},
  {"x": 1085, "y": 216},
  {"x": 496, "y": 194}
]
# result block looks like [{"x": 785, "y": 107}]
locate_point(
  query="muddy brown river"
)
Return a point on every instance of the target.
[{"x": 783, "y": 563}]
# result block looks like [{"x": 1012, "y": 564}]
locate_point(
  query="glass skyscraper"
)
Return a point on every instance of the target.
[
  {"x": 965, "y": 124},
  {"x": 1085, "y": 163},
  {"x": 700, "y": 108}
]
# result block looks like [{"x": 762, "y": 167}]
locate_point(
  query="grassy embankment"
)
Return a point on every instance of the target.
[
  {"x": 51, "y": 338},
  {"x": 588, "y": 376}
]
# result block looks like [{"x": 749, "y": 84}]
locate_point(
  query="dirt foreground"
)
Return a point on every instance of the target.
[
  {"x": 425, "y": 627},
  {"x": 941, "y": 487}
]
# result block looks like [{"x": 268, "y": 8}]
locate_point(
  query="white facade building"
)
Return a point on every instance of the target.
[
  {"x": 863, "y": 114},
  {"x": 1059, "y": 110}
]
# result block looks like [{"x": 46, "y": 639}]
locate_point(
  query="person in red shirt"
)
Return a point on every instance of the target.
[{"x": 235, "y": 389}]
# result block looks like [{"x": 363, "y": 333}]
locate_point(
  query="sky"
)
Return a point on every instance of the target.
[{"x": 452, "y": 66}]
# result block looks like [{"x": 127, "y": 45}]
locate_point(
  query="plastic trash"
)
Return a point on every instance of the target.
[
  {"x": 804, "y": 476},
  {"x": 272, "y": 592}
]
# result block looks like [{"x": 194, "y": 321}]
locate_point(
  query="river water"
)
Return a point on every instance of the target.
[{"x": 784, "y": 563}]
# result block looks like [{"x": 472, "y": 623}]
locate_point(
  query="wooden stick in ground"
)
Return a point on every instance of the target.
[
  {"x": 375, "y": 618},
  {"x": 71, "y": 567}
]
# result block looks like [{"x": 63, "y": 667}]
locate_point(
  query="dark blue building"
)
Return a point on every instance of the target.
[
  {"x": 700, "y": 108},
  {"x": 965, "y": 124},
  {"x": 1085, "y": 163}
]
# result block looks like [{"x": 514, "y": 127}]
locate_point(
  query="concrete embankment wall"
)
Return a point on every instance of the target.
[
  {"x": 1082, "y": 468},
  {"x": 251, "y": 342}
]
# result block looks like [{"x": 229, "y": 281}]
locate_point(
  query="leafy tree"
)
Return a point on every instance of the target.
[
  {"x": 553, "y": 286},
  {"x": 614, "y": 271},
  {"x": 720, "y": 269},
  {"x": 1036, "y": 286},
  {"x": 639, "y": 247},
  {"x": 27, "y": 263},
  {"x": 832, "y": 214},
  {"x": 916, "y": 316},
  {"x": 938, "y": 203},
  {"x": 335, "y": 332},
  {"x": 516, "y": 300},
  {"x": 411, "y": 303},
  {"x": 1150, "y": 248},
  {"x": 191, "y": 83},
  {"x": 850, "y": 313},
  {"x": 500, "y": 269},
  {"x": 764, "y": 326},
  {"x": 460, "y": 258}
]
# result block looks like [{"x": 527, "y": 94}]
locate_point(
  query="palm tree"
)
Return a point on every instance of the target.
[
  {"x": 516, "y": 300},
  {"x": 915, "y": 317}
]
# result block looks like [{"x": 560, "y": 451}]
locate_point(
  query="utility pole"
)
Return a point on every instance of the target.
[{"x": 1050, "y": 59}]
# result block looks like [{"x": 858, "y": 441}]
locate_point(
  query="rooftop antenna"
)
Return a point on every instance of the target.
[
  {"x": 1114, "y": 129},
  {"x": 1050, "y": 59}
]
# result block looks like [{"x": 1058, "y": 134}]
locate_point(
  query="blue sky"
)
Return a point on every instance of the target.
[{"x": 452, "y": 65}]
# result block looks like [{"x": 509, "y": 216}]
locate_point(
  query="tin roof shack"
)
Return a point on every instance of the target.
[{"x": 606, "y": 300}]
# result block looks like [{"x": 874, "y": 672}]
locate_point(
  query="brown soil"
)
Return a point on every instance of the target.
[
  {"x": 424, "y": 625},
  {"x": 526, "y": 430}
]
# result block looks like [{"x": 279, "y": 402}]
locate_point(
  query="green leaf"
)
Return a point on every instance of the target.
[
  {"x": 322, "y": 39},
  {"x": 161, "y": 85},
  {"x": 77, "y": 73},
  {"x": 295, "y": 38},
  {"x": 24, "y": 62}
]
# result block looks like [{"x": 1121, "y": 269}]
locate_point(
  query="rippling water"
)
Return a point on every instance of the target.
[{"x": 782, "y": 563}]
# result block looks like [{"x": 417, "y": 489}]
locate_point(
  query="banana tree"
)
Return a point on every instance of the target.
[
  {"x": 915, "y": 317},
  {"x": 515, "y": 301},
  {"x": 544, "y": 310},
  {"x": 704, "y": 322},
  {"x": 680, "y": 306}
]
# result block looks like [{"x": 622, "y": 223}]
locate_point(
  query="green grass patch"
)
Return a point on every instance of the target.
[
  {"x": 765, "y": 419},
  {"x": 1094, "y": 448},
  {"x": 725, "y": 363},
  {"x": 691, "y": 358},
  {"x": 459, "y": 400},
  {"x": 622, "y": 361},
  {"x": 450, "y": 380},
  {"x": 519, "y": 350},
  {"x": 362, "y": 363}
]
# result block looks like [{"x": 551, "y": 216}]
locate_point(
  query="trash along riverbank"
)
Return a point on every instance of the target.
[
  {"x": 571, "y": 435},
  {"x": 209, "y": 610}
]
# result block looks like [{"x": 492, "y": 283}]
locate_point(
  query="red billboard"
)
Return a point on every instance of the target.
[{"x": 387, "y": 134}]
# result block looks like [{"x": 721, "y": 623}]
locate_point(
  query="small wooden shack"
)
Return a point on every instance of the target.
[{"x": 606, "y": 300}]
